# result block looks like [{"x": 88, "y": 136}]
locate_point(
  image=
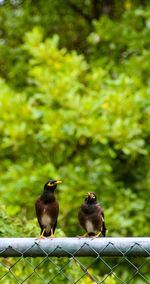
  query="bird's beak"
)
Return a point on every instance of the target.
[{"x": 58, "y": 182}]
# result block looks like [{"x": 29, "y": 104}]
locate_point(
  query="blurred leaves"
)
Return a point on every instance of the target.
[{"x": 76, "y": 123}]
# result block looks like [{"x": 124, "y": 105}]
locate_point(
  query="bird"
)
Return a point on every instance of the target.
[
  {"x": 91, "y": 217},
  {"x": 47, "y": 209}
]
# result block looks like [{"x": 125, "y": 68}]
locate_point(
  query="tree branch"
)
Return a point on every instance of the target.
[
  {"x": 80, "y": 12},
  {"x": 96, "y": 9}
]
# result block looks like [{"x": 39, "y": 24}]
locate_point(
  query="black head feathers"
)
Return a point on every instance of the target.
[{"x": 51, "y": 185}]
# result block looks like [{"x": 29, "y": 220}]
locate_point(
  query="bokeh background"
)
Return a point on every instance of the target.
[{"x": 75, "y": 106}]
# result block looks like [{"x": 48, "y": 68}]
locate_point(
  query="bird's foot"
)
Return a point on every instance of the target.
[
  {"x": 79, "y": 237},
  {"x": 96, "y": 236},
  {"x": 51, "y": 237},
  {"x": 41, "y": 237}
]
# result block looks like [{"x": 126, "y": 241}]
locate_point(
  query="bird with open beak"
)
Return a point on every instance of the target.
[
  {"x": 91, "y": 217},
  {"x": 47, "y": 209}
]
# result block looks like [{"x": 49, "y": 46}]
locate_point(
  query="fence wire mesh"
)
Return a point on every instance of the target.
[{"x": 69, "y": 260}]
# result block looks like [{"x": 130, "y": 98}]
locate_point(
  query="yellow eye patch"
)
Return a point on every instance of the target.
[
  {"x": 50, "y": 184},
  {"x": 56, "y": 182}
]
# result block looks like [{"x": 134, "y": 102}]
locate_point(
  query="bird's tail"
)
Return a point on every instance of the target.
[
  {"x": 104, "y": 230},
  {"x": 48, "y": 233},
  {"x": 91, "y": 234}
]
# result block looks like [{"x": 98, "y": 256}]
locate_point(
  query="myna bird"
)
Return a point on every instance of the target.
[
  {"x": 91, "y": 217},
  {"x": 47, "y": 209}
]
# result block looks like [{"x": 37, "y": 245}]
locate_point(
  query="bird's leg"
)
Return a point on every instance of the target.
[
  {"x": 42, "y": 235},
  {"x": 83, "y": 235},
  {"x": 96, "y": 236},
  {"x": 52, "y": 235}
]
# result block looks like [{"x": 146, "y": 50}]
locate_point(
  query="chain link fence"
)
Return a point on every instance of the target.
[{"x": 73, "y": 260}]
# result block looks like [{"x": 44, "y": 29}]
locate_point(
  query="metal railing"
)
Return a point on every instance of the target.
[{"x": 73, "y": 260}]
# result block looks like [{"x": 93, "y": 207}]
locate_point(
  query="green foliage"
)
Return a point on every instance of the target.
[
  {"x": 16, "y": 227},
  {"x": 82, "y": 118},
  {"x": 85, "y": 127},
  {"x": 116, "y": 41}
]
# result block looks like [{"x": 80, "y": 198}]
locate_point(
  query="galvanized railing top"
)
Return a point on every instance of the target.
[
  {"x": 23, "y": 252},
  {"x": 79, "y": 247}
]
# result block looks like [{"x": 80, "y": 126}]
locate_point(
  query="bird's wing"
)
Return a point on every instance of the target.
[
  {"x": 39, "y": 207},
  {"x": 101, "y": 212},
  {"x": 81, "y": 218},
  {"x": 52, "y": 210}
]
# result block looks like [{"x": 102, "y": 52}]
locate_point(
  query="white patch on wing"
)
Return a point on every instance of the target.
[{"x": 89, "y": 226}]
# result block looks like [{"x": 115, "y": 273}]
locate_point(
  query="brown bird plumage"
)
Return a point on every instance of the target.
[
  {"x": 47, "y": 209},
  {"x": 91, "y": 216}
]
